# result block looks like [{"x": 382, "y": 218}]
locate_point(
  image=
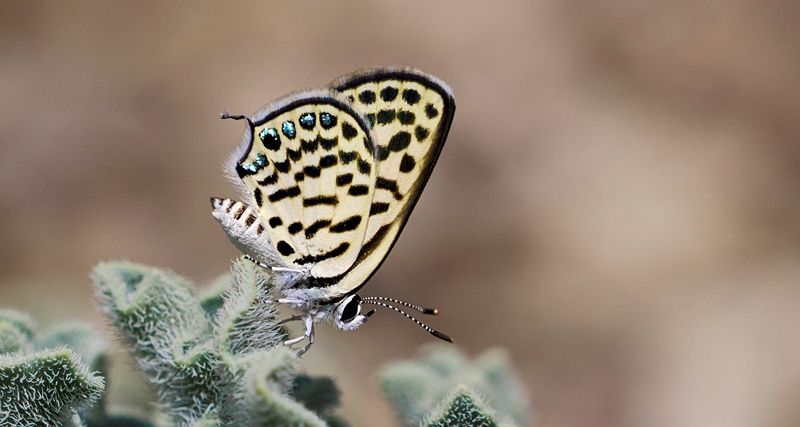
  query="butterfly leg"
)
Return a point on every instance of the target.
[
  {"x": 291, "y": 319},
  {"x": 310, "y": 342},
  {"x": 309, "y": 333}
]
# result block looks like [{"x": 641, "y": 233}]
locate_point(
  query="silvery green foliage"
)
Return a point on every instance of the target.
[
  {"x": 214, "y": 360},
  {"x": 441, "y": 379},
  {"x": 50, "y": 379},
  {"x": 462, "y": 407},
  {"x": 16, "y": 332}
]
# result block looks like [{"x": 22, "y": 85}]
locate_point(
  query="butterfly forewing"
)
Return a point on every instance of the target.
[
  {"x": 410, "y": 113},
  {"x": 311, "y": 171}
]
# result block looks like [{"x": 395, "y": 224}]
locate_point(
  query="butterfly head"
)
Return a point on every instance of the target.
[{"x": 348, "y": 315}]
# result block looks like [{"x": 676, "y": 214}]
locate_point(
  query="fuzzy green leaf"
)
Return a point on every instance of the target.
[
  {"x": 502, "y": 385},
  {"x": 232, "y": 371},
  {"x": 45, "y": 388},
  {"x": 247, "y": 322},
  {"x": 462, "y": 407},
  {"x": 16, "y": 331},
  {"x": 415, "y": 388},
  {"x": 81, "y": 338},
  {"x": 318, "y": 394},
  {"x": 168, "y": 331},
  {"x": 213, "y": 296},
  {"x": 261, "y": 395}
]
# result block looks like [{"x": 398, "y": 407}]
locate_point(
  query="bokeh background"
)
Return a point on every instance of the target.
[{"x": 617, "y": 204}]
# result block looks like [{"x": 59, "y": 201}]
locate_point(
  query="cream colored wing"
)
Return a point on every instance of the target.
[
  {"x": 307, "y": 163},
  {"x": 410, "y": 114}
]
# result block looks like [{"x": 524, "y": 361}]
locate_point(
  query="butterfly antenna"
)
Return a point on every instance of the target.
[
  {"x": 227, "y": 115},
  {"x": 431, "y": 311},
  {"x": 432, "y": 331}
]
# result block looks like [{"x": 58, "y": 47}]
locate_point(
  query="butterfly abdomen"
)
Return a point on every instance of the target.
[{"x": 245, "y": 230}]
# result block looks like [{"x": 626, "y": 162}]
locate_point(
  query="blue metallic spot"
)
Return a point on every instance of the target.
[
  {"x": 327, "y": 120},
  {"x": 308, "y": 120},
  {"x": 270, "y": 138},
  {"x": 261, "y": 160},
  {"x": 289, "y": 130},
  {"x": 268, "y": 133},
  {"x": 250, "y": 168}
]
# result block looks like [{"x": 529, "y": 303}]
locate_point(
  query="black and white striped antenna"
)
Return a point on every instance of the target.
[{"x": 431, "y": 311}]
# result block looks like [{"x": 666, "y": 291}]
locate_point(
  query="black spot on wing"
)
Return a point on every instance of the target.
[
  {"x": 421, "y": 133},
  {"x": 295, "y": 227},
  {"x": 383, "y": 153},
  {"x": 347, "y": 156},
  {"x": 269, "y": 179},
  {"x": 349, "y": 224},
  {"x": 399, "y": 141},
  {"x": 284, "y": 193},
  {"x": 275, "y": 221},
  {"x": 344, "y": 179},
  {"x": 321, "y": 200},
  {"x": 406, "y": 117},
  {"x": 283, "y": 166},
  {"x": 378, "y": 208},
  {"x": 411, "y": 96},
  {"x": 431, "y": 111},
  {"x": 328, "y": 161},
  {"x": 258, "y": 196},
  {"x": 386, "y": 116},
  {"x": 367, "y": 97},
  {"x": 309, "y": 146},
  {"x": 358, "y": 190},
  {"x": 311, "y": 171},
  {"x": 348, "y": 131},
  {"x": 389, "y": 93},
  {"x": 284, "y": 248},
  {"x": 250, "y": 220},
  {"x": 319, "y": 224},
  {"x": 328, "y": 144},
  {"x": 407, "y": 164},
  {"x": 338, "y": 251},
  {"x": 390, "y": 185},
  {"x": 294, "y": 155},
  {"x": 259, "y": 229},
  {"x": 374, "y": 242},
  {"x": 299, "y": 176},
  {"x": 364, "y": 167}
]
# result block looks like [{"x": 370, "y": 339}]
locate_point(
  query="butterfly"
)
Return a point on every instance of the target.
[{"x": 328, "y": 179}]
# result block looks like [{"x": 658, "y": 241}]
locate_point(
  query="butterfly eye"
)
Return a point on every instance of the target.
[{"x": 351, "y": 309}]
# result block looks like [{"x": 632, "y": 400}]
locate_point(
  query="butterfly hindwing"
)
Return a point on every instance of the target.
[
  {"x": 410, "y": 113},
  {"x": 308, "y": 165}
]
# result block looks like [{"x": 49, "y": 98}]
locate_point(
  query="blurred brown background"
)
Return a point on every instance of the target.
[{"x": 617, "y": 203}]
